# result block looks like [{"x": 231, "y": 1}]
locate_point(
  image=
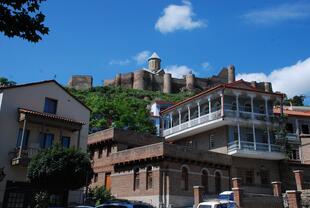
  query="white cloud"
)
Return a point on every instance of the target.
[
  {"x": 179, "y": 71},
  {"x": 206, "y": 65},
  {"x": 178, "y": 17},
  {"x": 292, "y": 80},
  {"x": 124, "y": 62},
  {"x": 142, "y": 57},
  {"x": 280, "y": 13}
]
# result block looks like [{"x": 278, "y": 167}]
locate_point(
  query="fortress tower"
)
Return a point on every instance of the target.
[{"x": 154, "y": 63}]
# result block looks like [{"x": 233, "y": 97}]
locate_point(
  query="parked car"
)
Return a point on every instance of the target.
[
  {"x": 226, "y": 195},
  {"x": 217, "y": 203},
  {"x": 123, "y": 205}
]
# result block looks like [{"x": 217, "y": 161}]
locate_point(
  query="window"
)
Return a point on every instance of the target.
[
  {"x": 204, "y": 181},
  {"x": 149, "y": 178},
  {"x": 217, "y": 105},
  {"x": 184, "y": 181},
  {"x": 65, "y": 141},
  {"x": 249, "y": 177},
  {"x": 218, "y": 183},
  {"x": 108, "y": 150},
  {"x": 264, "y": 177},
  {"x": 261, "y": 109},
  {"x": 136, "y": 179},
  {"x": 294, "y": 154},
  {"x": 95, "y": 177},
  {"x": 205, "y": 109},
  {"x": 236, "y": 137},
  {"x": 305, "y": 129},
  {"x": 50, "y": 106},
  {"x": 247, "y": 107},
  {"x": 249, "y": 137},
  {"x": 211, "y": 141},
  {"x": 15, "y": 200},
  {"x": 19, "y": 138},
  {"x": 289, "y": 127},
  {"x": 233, "y": 106},
  {"x": 47, "y": 140},
  {"x": 100, "y": 153}
]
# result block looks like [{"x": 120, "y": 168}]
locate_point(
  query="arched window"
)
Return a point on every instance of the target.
[
  {"x": 184, "y": 181},
  {"x": 247, "y": 107},
  {"x": 205, "y": 181},
  {"x": 136, "y": 179},
  {"x": 217, "y": 105},
  {"x": 205, "y": 110},
  {"x": 218, "y": 183},
  {"x": 149, "y": 178},
  {"x": 185, "y": 117}
]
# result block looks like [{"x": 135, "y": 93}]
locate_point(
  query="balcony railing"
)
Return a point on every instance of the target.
[
  {"x": 193, "y": 122},
  {"x": 292, "y": 137},
  {"x": 251, "y": 146},
  {"x": 25, "y": 156}
]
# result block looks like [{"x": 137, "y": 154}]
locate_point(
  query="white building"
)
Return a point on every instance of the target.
[{"x": 34, "y": 116}]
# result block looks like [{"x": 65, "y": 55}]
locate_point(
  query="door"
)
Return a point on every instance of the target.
[{"x": 107, "y": 181}]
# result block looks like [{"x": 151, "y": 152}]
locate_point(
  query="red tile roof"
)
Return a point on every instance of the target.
[
  {"x": 49, "y": 116},
  {"x": 289, "y": 112},
  {"x": 239, "y": 85}
]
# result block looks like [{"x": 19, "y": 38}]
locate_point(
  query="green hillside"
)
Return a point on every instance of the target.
[{"x": 122, "y": 108}]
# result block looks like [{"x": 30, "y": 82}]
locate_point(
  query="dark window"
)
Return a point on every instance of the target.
[
  {"x": 261, "y": 109},
  {"x": 95, "y": 177},
  {"x": 305, "y": 129},
  {"x": 136, "y": 179},
  {"x": 109, "y": 150},
  {"x": 100, "y": 153},
  {"x": 184, "y": 182},
  {"x": 15, "y": 200},
  {"x": 264, "y": 177},
  {"x": 65, "y": 141},
  {"x": 47, "y": 140},
  {"x": 247, "y": 107},
  {"x": 294, "y": 154},
  {"x": 211, "y": 141},
  {"x": 289, "y": 128},
  {"x": 50, "y": 106},
  {"x": 19, "y": 138},
  {"x": 234, "y": 106},
  {"x": 249, "y": 177},
  {"x": 149, "y": 178},
  {"x": 204, "y": 181},
  {"x": 218, "y": 183}
]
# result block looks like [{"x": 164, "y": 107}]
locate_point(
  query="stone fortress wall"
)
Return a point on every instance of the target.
[{"x": 154, "y": 78}]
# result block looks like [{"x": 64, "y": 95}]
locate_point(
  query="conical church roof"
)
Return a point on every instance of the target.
[{"x": 154, "y": 56}]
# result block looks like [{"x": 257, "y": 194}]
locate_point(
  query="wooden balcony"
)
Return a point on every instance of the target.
[{"x": 24, "y": 157}]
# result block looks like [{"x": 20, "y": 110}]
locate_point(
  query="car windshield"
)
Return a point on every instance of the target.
[{"x": 205, "y": 206}]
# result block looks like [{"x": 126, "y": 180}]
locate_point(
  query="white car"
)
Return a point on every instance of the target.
[{"x": 217, "y": 203}]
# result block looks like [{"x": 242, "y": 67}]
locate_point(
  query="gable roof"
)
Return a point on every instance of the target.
[
  {"x": 43, "y": 82},
  {"x": 238, "y": 85}
]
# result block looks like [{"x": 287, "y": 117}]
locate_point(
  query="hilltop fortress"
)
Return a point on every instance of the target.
[{"x": 155, "y": 78}]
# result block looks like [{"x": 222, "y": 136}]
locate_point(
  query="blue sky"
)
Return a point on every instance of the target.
[{"x": 265, "y": 40}]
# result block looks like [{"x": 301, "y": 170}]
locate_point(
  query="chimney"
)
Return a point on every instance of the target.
[
  {"x": 253, "y": 84},
  {"x": 268, "y": 87}
]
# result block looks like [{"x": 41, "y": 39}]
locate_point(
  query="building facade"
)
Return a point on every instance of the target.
[{"x": 33, "y": 117}]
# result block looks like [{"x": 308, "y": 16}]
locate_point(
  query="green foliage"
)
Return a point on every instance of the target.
[
  {"x": 122, "y": 108},
  {"x": 60, "y": 169},
  {"x": 5, "y": 82},
  {"x": 100, "y": 195},
  {"x": 41, "y": 199},
  {"x": 22, "y": 18},
  {"x": 297, "y": 100}
]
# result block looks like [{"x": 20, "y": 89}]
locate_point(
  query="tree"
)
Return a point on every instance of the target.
[
  {"x": 60, "y": 169},
  {"x": 297, "y": 100},
  {"x": 5, "y": 82},
  {"x": 22, "y": 18},
  {"x": 100, "y": 195}
]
